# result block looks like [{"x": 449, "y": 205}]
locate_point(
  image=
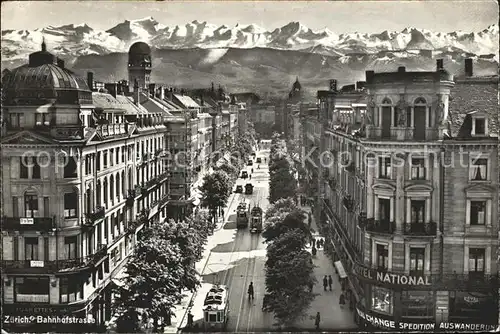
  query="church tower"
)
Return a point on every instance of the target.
[{"x": 139, "y": 65}]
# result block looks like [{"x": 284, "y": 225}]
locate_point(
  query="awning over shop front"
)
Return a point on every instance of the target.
[
  {"x": 340, "y": 269},
  {"x": 119, "y": 278}
]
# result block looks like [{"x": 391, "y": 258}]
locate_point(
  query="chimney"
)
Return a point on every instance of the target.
[
  {"x": 136, "y": 92},
  {"x": 111, "y": 88},
  {"x": 401, "y": 69},
  {"x": 202, "y": 101},
  {"x": 90, "y": 80},
  {"x": 333, "y": 85},
  {"x": 439, "y": 65},
  {"x": 468, "y": 67},
  {"x": 369, "y": 76}
]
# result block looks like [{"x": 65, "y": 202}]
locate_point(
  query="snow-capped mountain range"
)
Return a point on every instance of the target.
[{"x": 77, "y": 40}]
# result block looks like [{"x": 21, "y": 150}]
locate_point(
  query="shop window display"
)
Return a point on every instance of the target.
[
  {"x": 417, "y": 304},
  {"x": 382, "y": 300}
]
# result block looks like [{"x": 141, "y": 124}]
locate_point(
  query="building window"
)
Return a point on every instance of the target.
[
  {"x": 71, "y": 205},
  {"x": 382, "y": 300},
  {"x": 476, "y": 261},
  {"x": 23, "y": 171},
  {"x": 382, "y": 256},
  {"x": 111, "y": 157},
  {"x": 31, "y": 289},
  {"x": 70, "y": 168},
  {"x": 105, "y": 159},
  {"x": 417, "y": 212},
  {"x": 31, "y": 248},
  {"x": 15, "y": 207},
  {"x": 479, "y": 170},
  {"x": 417, "y": 304},
  {"x": 478, "y": 212},
  {"x": 418, "y": 170},
  {"x": 417, "y": 258},
  {"x": 35, "y": 172},
  {"x": 16, "y": 120},
  {"x": 98, "y": 161},
  {"x": 69, "y": 289},
  {"x": 117, "y": 156},
  {"x": 385, "y": 167},
  {"x": 479, "y": 126},
  {"x": 70, "y": 247},
  {"x": 30, "y": 204}
]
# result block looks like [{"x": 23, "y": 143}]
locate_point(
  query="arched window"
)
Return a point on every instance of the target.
[
  {"x": 70, "y": 168},
  {"x": 98, "y": 193},
  {"x": 420, "y": 100},
  {"x": 124, "y": 187},
  {"x": 105, "y": 186},
  {"x": 112, "y": 188},
  {"x": 71, "y": 204},
  {"x": 118, "y": 187},
  {"x": 30, "y": 203},
  {"x": 386, "y": 101}
]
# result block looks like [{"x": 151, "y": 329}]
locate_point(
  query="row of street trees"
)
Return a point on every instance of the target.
[
  {"x": 282, "y": 183},
  {"x": 161, "y": 267},
  {"x": 289, "y": 266}
]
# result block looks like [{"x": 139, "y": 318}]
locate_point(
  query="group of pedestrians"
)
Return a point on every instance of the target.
[{"x": 316, "y": 243}]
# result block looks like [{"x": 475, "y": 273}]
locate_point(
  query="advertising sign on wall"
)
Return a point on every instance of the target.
[
  {"x": 391, "y": 278},
  {"x": 390, "y": 324}
]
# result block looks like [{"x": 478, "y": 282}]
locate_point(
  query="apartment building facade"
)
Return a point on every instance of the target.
[
  {"x": 409, "y": 193},
  {"x": 81, "y": 177}
]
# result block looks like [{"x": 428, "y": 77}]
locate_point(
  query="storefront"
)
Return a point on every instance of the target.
[{"x": 472, "y": 306}]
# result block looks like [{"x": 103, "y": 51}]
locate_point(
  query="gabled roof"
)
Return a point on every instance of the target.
[
  {"x": 475, "y": 94},
  {"x": 130, "y": 107},
  {"x": 106, "y": 102}
]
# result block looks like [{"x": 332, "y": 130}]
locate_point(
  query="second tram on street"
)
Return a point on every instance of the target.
[
  {"x": 216, "y": 308},
  {"x": 242, "y": 214}
]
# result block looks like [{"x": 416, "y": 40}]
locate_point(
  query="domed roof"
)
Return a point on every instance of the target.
[
  {"x": 46, "y": 76},
  {"x": 139, "y": 48}
]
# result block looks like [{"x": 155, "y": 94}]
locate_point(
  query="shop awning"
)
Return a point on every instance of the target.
[
  {"x": 119, "y": 277},
  {"x": 340, "y": 269}
]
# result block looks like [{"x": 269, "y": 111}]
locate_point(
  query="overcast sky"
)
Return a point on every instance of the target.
[{"x": 338, "y": 16}]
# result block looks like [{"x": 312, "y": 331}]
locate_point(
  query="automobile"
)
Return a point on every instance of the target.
[
  {"x": 259, "y": 160},
  {"x": 239, "y": 189},
  {"x": 244, "y": 174},
  {"x": 250, "y": 163},
  {"x": 253, "y": 154}
]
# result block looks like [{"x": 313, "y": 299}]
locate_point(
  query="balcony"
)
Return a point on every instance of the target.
[
  {"x": 470, "y": 282},
  {"x": 348, "y": 203},
  {"x": 44, "y": 267},
  {"x": 130, "y": 198},
  {"x": 420, "y": 229},
  {"x": 41, "y": 224},
  {"x": 380, "y": 226},
  {"x": 97, "y": 214}
]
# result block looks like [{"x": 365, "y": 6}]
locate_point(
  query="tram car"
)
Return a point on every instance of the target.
[
  {"x": 256, "y": 220},
  {"x": 242, "y": 215},
  {"x": 216, "y": 308}
]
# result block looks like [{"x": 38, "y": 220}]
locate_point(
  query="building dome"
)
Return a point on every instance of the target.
[
  {"x": 46, "y": 76},
  {"x": 139, "y": 48}
]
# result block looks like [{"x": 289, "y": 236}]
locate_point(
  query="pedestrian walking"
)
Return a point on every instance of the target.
[
  {"x": 330, "y": 282},
  {"x": 317, "y": 321},
  {"x": 314, "y": 251},
  {"x": 190, "y": 319},
  {"x": 250, "y": 291},
  {"x": 342, "y": 300},
  {"x": 250, "y": 176},
  {"x": 313, "y": 242},
  {"x": 325, "y": 282}
]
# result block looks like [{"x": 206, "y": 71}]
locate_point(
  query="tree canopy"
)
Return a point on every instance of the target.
[{"x": 215, "y": 189}]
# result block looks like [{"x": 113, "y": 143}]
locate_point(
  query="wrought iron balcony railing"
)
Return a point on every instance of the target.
[
  {"x": 420, "y": 229},
  {"x": 98, "y": 213},
  {"x": 348, "y": 203},
  {"x": 380, "y": 226},
  {"x": 38, "y": 266},
  {"x": 42, "y": 224}
]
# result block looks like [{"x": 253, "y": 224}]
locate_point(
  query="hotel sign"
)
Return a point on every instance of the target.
[{"x": 391, "y": 278}]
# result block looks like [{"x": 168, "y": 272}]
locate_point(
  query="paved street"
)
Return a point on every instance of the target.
[{"x": 237, "y": 257}]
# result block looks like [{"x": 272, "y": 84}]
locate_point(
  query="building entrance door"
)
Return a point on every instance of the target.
[
  {"x": 419, "y": 123},
  {"x": 386, "y": 122}
]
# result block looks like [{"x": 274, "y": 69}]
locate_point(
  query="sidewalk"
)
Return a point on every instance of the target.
[
  {"x": 333, "y": 316},
  {"x": 179, "y": 320}
]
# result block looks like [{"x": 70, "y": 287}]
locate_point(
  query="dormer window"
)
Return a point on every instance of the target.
[{"x": 479, "y": 126}]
